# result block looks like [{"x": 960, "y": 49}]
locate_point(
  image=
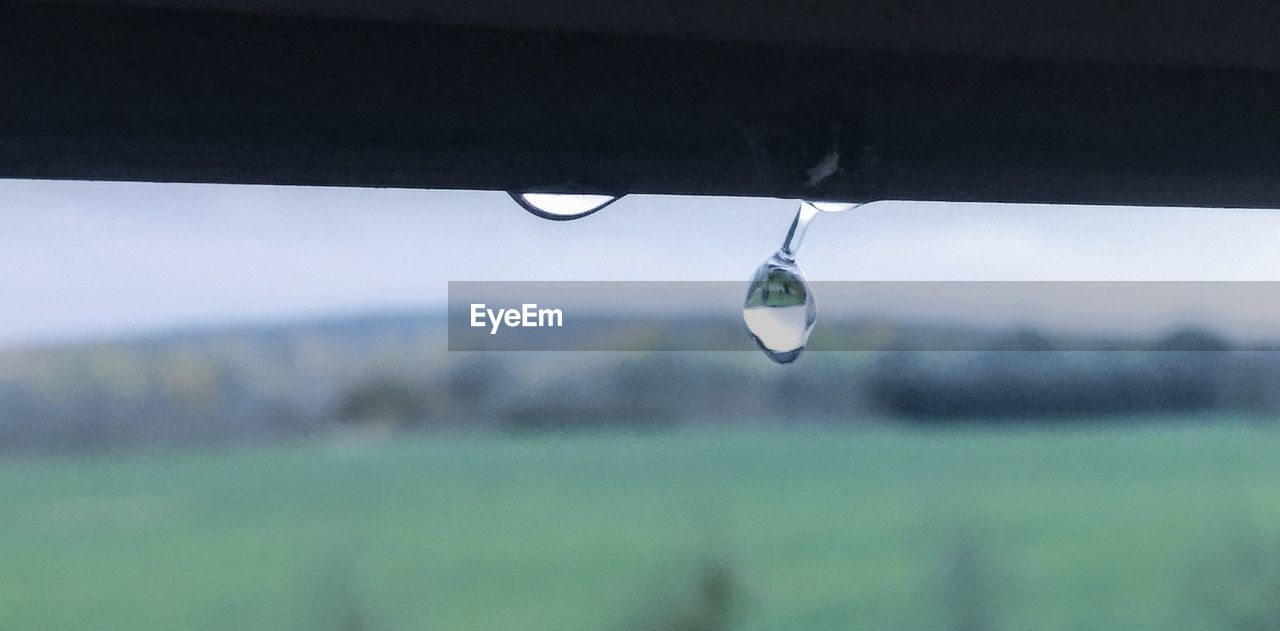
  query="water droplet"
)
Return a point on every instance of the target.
[
  {"x": 779, "y": 310},
  {"x": 831, "y": 207},
  {"x": 562, "y": 206}
]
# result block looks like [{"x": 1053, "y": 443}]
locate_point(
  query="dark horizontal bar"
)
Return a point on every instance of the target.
[{"x": 146, "y": 94}]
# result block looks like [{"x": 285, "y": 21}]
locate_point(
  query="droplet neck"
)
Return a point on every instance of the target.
[{"x": 795, "y": 235}]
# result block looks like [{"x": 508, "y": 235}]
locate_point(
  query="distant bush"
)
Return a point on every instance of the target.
[
  {"x": 711, "y": 602},
  {"x": 1027, "y": 384},
  {"x": 967, "y": 586},
  {"x": 1237, "y": 582},
  {"x": 384, "y": 401},
  {"x": 333, "y": 599},
  {"x": 260, "y": 384}
]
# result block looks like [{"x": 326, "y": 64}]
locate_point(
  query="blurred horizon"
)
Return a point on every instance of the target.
[{"x": 91, "y": 261}]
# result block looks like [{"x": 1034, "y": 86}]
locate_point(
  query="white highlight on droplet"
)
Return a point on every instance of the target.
[
  {"x": 562, "y": 206},
  {"x": 780, "y": 329}
]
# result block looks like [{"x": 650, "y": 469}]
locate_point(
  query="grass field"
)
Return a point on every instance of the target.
[{"x": 1132, "y": 527}]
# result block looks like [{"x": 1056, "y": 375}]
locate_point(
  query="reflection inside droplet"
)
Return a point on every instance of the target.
[
  {"x": 562, "y": 206},
  {"x": 779, "y": 310}
]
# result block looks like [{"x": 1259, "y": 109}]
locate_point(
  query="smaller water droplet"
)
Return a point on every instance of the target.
[
  {"x": 562, "y": 206},
  {"x": 779, "y": 310},
  {"x": 832, "y": 207}
]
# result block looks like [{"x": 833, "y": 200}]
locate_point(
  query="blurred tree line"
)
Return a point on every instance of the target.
[{"x": 391, "y": 372}]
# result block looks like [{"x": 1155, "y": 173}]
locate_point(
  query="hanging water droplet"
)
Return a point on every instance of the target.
[
  {"x": 779, "y": 310},
  {"x": 562, "y": 206}
]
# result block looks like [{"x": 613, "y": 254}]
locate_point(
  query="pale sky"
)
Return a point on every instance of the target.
[{"x": 94, "y": 259}]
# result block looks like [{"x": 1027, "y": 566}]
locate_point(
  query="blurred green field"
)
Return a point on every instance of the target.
[{"x": 1130, "y": 527}]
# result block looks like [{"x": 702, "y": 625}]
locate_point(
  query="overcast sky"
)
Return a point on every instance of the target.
[{"x": 90, "y": 259}]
